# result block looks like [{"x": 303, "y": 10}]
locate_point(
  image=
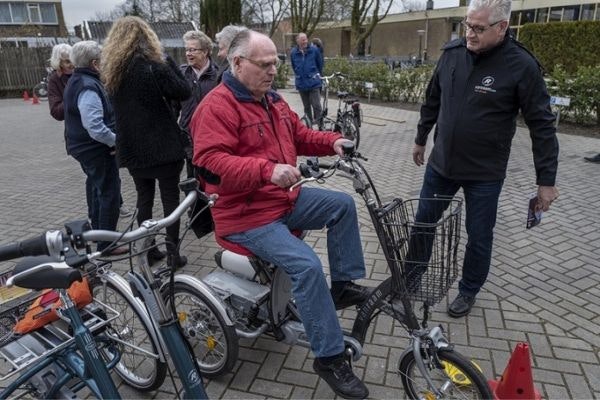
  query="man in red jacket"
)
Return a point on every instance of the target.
[{"x": 246, "y": 143}]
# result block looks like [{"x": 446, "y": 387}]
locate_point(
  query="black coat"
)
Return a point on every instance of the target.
[
  {"x": 475, "y": 100},
  {"x": 147, "y": 133}
]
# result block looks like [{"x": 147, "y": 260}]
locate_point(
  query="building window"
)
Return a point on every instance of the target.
[
  {"x": 21, "y": 13},
  {"x": 514, "y": 18},
  {"x": 587, "y": 12},
  {"x": 555, "y": 14},
  {"x": 527, "y": 16},
  {"x": 571, "y": 13},
  {"x": 48, "y": 13},
  {"x": 542, "y": 15},
  {"x": 34, "y": 13}
]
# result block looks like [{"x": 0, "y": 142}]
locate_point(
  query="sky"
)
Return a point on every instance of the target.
[{"x": 76, "y": 11}]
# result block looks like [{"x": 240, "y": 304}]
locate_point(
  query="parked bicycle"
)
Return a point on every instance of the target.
[
  {"x": 348, "y": 117},
  {"x": 145, "y": 284},
  {"x": 259, "y": 293},
  {"x": 41, "y": 89}
]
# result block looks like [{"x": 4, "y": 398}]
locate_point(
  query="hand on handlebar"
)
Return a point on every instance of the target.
[
  {"x": 285, "y": 175},
  {"x": 338, "y": 146}
]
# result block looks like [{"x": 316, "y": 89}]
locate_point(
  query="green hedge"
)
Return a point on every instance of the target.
[
  {"x": 406, "y": 85},
  {"x": 583, "y": 87},
  {"x": 569, "y": 44}
]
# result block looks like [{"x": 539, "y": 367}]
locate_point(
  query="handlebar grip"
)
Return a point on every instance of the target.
[{"x": 30, "y": 247}]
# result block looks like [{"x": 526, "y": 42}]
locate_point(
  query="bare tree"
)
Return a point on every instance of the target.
[
  {"x": 337, "y": 10},
  {"x": 306, "y": 14},
  {"x": 265, "y": 13},
  {"x": 365, "y": 16}
]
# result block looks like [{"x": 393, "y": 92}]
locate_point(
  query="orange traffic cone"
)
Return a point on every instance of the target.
[
  {"x": 26, "y": 96},
  {"x": 517, "y": 380},
  {"x": 35, "y": 100}
]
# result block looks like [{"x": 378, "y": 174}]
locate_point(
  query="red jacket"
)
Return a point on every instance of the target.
[{"x": 237, "y": 142}]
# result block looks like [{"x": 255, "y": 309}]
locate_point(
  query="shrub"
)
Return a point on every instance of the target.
[{"x": 583, "y": 87}]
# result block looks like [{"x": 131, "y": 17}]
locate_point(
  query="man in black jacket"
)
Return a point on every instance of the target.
[{"x": 478, "y": 87}]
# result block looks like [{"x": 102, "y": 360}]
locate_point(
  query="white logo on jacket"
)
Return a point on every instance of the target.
[{"x": 485, "y": 88}]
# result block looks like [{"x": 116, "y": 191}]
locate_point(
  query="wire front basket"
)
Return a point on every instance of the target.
[{"x": 420, "y": 240}]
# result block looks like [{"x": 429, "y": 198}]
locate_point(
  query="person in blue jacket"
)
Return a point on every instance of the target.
[{"x": 307, "y": 63}]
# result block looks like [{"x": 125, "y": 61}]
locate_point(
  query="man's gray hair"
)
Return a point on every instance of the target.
[
  {"x": 225, "y": 37},
  {"x": 239, "y": 46},
  {"x": 83, "y": 53},
  {"x": 200, "y": 37},
  {"x": 499, "y": 9},
  {"x": 61, "y": 51}
]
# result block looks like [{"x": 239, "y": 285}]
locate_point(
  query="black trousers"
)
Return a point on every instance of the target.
[{"x": 145, "y": 183}]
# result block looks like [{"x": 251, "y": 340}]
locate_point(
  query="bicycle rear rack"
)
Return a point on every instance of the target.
[{"x": 28, "y": 349}]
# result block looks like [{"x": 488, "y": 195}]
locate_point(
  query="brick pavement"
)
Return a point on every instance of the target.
[{"x": 543, "y": 287}]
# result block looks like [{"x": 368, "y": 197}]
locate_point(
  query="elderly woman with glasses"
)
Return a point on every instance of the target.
[
  {"x": 62, "y": 67},
  {"x": 143, "y": 83}
]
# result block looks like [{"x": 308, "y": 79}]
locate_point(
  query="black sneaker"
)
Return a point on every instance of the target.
[
  {"x": 461, "y": 306},
  {"x": 155, "y": 255},
  {"x": 350, "y": 294},
  {"x": 339, "y": 376}
]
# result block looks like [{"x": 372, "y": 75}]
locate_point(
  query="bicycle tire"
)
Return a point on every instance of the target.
[
  {"x": 215, "y": 344},
  {"x": 41, "y": 91},
  {"x": 466, "y": 381},
  {"x": 135, "y": 368},
  {"x": 350, "y": 129}
]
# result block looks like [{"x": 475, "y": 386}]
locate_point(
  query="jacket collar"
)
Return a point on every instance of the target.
[
  {"x": 241, "y": 93},
  {"x": 87, "y": 71}
]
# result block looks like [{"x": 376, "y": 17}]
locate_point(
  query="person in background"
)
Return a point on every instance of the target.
[
  {"x": 478, "y": 87},
  {"x": 224, "y": 38},
  {"x": 142, "y": 83},
  {"x": 60, "y": 62},
  {"x": 246, "y": 143},
  {"x": 90, "y": 128},
  {"x": 202, "y": 75},
  {"x": 318, "y": 43},
  {"x": 307, "y": 62}
]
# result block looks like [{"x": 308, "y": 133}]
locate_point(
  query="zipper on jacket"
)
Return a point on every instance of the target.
[{"x": 265, "y": 104}]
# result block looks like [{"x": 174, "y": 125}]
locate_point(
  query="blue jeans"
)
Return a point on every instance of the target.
[
  {"x": 103, "y": 191},
  {"x": 481, "y": 202},
  {"x": 314, "y": 209}
]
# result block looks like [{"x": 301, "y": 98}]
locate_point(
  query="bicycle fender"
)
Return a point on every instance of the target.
[
  {"x": 122, "y": 284},
  {"x": 210, "y": 294}
]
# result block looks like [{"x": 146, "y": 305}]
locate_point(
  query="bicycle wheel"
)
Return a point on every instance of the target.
[
  {"x": 459, "y": 377},
  {"x": 350, "y": 129},
  {"x": 41, "y": 90},
  {"x": 215, "y": 344},
  {"x": 138, "y": 369}
]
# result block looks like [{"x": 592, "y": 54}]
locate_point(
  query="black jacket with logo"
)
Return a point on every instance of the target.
[{"x": 475, "y": 99}]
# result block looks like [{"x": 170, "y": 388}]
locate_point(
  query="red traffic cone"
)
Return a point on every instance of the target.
[
  {"x": 25, "y": 95},
  {"x": 36, "y": 100},
  {"x": 517, "y": 380}
]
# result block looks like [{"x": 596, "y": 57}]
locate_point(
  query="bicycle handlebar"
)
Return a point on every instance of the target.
[
  {"x": 50, "y": 243},
  {"x": 36, "y": 246}
]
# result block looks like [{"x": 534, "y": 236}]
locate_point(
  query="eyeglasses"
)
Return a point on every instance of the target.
[
  {"x": 192, "y": 50},
  {"x": 477, "y": 29},
  {"x": 264, "y": 65}
]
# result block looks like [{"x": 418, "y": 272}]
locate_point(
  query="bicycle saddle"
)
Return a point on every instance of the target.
[
  {"x": 342, "y": 95},
  {"x": 50, "y": 273}
]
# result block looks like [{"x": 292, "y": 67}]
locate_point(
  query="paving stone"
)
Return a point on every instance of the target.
[
  {"x": 543, "y": 288},
  {"x": 297, "y": 377}
]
